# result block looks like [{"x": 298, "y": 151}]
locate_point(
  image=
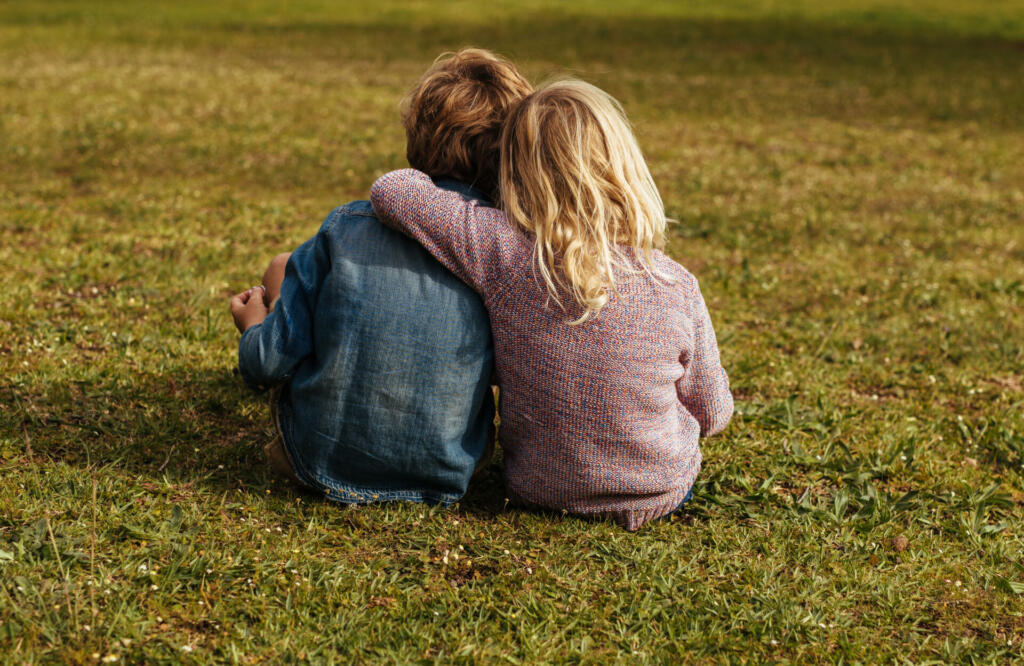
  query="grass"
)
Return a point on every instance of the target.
[{"x": 849, "y": 181}]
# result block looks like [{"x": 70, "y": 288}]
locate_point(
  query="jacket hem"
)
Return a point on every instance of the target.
[{"x": 345, "y": 493}]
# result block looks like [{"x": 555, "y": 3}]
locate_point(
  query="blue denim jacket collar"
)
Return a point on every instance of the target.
[{"x": 465, "y": 189}]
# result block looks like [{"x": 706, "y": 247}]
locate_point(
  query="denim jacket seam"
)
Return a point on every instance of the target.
[
  {"x": 345, "y": 210},
  {"x": 350, "y": 208},
  {"x": 350, "y": 494}
]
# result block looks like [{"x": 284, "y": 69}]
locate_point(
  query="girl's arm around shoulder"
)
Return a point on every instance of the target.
[
  {"x": 472, "y": 241},
  {"x": 704, "y": 387}
]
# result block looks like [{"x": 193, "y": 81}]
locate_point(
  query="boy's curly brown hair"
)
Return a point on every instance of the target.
[{"x": 454, "y": 115}]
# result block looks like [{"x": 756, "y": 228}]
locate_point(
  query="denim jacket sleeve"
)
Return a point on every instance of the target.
[{"x": 269, "y": 353}]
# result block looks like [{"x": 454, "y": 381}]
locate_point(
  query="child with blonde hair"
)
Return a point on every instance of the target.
[{"x": 606, "y": 357}]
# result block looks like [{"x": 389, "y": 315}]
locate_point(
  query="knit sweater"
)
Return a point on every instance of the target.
[{"x": 600, "y": 418}]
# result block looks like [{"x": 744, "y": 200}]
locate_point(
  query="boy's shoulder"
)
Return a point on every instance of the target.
[
  {"x": 349, "y": 218},
  {"x": 358, "y": 208}
]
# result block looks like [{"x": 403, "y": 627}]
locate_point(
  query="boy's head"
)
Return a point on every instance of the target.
[{"x": 454, "y": 115}]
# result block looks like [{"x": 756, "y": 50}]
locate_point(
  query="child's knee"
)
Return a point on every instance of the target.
[
  {"x": 273, "y": 277},
  {"x": 276, "y": 267}
]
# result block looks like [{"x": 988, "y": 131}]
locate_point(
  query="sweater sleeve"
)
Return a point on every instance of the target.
[
  {"x": 704, "y": 387},
  {"x": 465, "y": 237},
  {"x": 270, "y": 352}
]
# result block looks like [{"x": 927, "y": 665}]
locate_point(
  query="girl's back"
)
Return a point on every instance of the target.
[{"x": 598, "y": 418}]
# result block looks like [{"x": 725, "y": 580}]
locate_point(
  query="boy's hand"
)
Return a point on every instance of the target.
[{"x": 248, "y": 308}]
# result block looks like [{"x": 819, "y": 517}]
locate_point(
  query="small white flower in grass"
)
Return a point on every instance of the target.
[
  {"x": 142, "y": 567},
  {"x": 154, "y": 587},
  {"x": 774, "y": 642},
  {"x": 209, "y": 571},
  {"x": 109, "y": 658},
  {"x": 186, "y": 648}
]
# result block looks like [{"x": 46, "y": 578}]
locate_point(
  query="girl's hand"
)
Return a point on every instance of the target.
[{"x": 248, "y": 308}]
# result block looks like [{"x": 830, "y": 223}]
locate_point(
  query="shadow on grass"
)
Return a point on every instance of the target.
[
  {"x": 195, "y": 428},
  {"x": 180, "y": 424}
]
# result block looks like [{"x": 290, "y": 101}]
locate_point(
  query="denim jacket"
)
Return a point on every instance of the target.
[{"x": 384, "y": 360}]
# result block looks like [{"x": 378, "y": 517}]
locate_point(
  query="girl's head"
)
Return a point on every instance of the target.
[{"x": 573, "y": 175}]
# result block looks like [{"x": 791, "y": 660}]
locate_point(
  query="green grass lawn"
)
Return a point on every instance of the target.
[{"x": 848, "y": 178}]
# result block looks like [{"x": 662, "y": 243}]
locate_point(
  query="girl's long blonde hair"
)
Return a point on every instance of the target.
[{"x": 573, "y": 175}]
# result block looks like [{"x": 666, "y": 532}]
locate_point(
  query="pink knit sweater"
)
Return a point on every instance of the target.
[{"x": 600, "y": 418}]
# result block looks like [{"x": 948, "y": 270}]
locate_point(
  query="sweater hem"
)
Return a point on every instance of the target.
[{"x": 629, "y": 519}]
